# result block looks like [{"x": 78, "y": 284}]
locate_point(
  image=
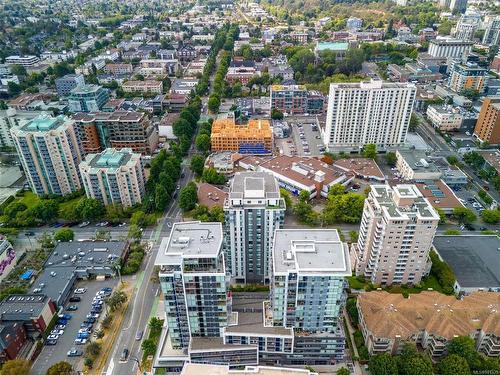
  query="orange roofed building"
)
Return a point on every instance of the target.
[{"x": 256, "y": 137}]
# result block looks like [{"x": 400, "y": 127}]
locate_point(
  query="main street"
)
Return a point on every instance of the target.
[{"x": 143, "y": 297}]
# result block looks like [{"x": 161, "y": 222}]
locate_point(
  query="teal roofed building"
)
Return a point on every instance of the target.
[{"x": 339, "y": 48}]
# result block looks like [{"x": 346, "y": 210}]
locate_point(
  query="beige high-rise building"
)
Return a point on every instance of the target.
[
  {"x": 114, "y": 177},
  {"x": 395, "y": 236},
  {"x": 50, "y": 152}
]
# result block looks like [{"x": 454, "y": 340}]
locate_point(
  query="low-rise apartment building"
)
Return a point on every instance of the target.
[
  {"x": 468, "y": 76},
  {"x": 114, "y": 177},
  {"x": 256, "y": 137},
  {"x": 26, "y": 61},
  {"x": 430, "y": 319},
  {"x": 143, "y": 87},
  {"x": 414, "y": 165},
  {"x": 158, "y": 67},
  {"x": 87, "y": 98},
  {"x": 445, "y": 118},
  {"x": 296, "y": 99},
  {"x": 241, "y": 71},
  {"x": 118, "y": 68}
]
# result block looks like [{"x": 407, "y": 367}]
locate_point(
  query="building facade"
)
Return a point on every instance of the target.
[
  {"x": 114, "y": 177},
  {"x": 65, "y": 84},
  {"x": 50, "y": 152},
  {"x": 119, "y": 129},
  {"x": 87, "y": 98},
  {"x": 488, "y": 124},
  {"x": 26, "y": 61},
  {"x": 253, "y": 210},
  {"x": 395, "y": 236},
  {"x": 13, "y": 117},
  {"x": 256, "y": 137},
  {"x": 445, "y": 118},
  {"x": 295, "y": 99},
  {"x": 144, "y": 87},
  {"x": 468, "y": 76},
  {"x": 368, "y": 112},
  {"x": 449, "y": 47}
]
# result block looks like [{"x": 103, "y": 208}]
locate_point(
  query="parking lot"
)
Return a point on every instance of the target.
[
  {"x": 55, "y": 353},
  {"x": 306, "y": 138}
]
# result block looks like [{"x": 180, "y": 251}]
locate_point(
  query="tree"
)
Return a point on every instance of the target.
[
  {"x": 188, "y": 197},
  {"x": 148, "y": 346},
  {"x": 197, "y": 164},
  {"x": 411, "y": 362},
  {"x": 211, "y": 176},
  {"x": 203, "y": 142},
  {"x": 382, "y": 364},
  {"x": 305, "y": 213},
  {"x": 213, "y": 103},
  {"x": 491, "y": 216},
  {"x": 134, "y": 232},
  {"x": 485, "y": 197},
  {"x": 454, "y": 365},
  {"x": 288, "y": 199},
  {"x": 414, "y": 121},
  {"x": 276, "y": 114},
  {"x": 452, "y": 159},
  {"x": 93, "y": 349},
  {"x": 346, "y": 208},
  {"x": 474, "y": 159},
  {"x": 141, "y": 219},
  {"x": 343, "y": 371},
  {"x": 391, "y": 159},
  {"x": 155, "y": 325},
  {"x": 64, "y": 235},
  {"x": 117, "y": 299},
  {"x": 14, "y": 88},
  {"x": 60, "y": 368},
  {"x": 370, "y": 151},
  {"x": 304, "y": 196},
  {"x": 16, "y": 367},
  {"x": 90, "y": 209},
  {"x": 470, "y": 93},
  {"x": 464, "y": 346},
  {"x": 18, "y": 70},
  {"x": 336, "y": 189},
  {"x": 464, "y": 215},
  {"x": 162, "y": 198},
  {"x": 46, "y": 211}
]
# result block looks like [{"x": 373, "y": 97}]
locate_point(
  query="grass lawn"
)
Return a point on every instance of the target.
[
  {"x": 63, "y": 206},
  {"x": 354, "y": 283},
  {"x": 29, "y": 199},
  {"x": 428, "y": 282}
]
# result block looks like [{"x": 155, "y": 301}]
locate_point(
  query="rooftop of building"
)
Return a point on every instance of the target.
[
  {"x": 45, "y": 122},
  {"x": 388, "y": 315},
  {"x": 372, "y": 84},
  {"x": 86, "y": 89},
  {"x": 367, "y": 168},
  {"x": 33, "y": 304},
  {"x": 112, "y": 159},
  {"x": 492, "y": 157},
  {"x": 116, "y": 116},
  {"x": 474, "y": 259},
  {"x": 332, "y": 46},
  {"x": 439, "y": 194},
  {"x": 255, "y": 128},
  {"x": 211, "y": 196},
  {"x": 245, "y": 185},
  {"x": 197, "y": 369},
  {"x": 145, "y": 83},
  {"x": 450, "y": 40},
  {"x": 192, "y": 239},
  {"x": 401, "y": 201},
  {"x": 313, "y": 251},
  {"x": 288, "y": 87},
  {"x": 418, "y": 161},
  {"x": 300, "y": 169}
]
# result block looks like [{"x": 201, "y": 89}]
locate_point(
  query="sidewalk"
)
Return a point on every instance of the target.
[{"x": 350, "y": 328}]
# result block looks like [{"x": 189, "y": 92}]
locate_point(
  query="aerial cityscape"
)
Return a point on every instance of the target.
[{"x": 250, "y": 187}]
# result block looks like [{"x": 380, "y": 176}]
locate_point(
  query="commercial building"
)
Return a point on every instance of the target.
[
  {"x": 241, "y": 71},
  {"x": 395, "y": 235},
  {"x": 193, "y": 282},
  {"x": 256, "y": 137},
  {"x": 26, "y": 61},
  {"x": 119, "y": 129},
  {"x": 252, "y": 211},
  {"x": 429, "y": 319},
  {"x": 368, "y": 112},
  {"x": 468, "y": 76},
  {"x": 87, "y": 98},
  {"x": 183, "y": 86},
  {"x": 299, "y": 173},
  {"x": 118, "y": 68},
  {"x": 198, "y": 368},
  {"x": 295, "y": 99},
  {"x": 449, "y": 48},
  {"x": 114, "y": 177},
  {"x": 13, "y": 337},
  {"x": 49, "y": 151},
  {"x": 415, "y": 165},
  {"x": 13, "y": 117},
  {"x": 439, "y": 194},
  {"x": 488, "y": 124},
  {"x": 8, "y": 257},
  {"x": 473, "y": 259},
  {"x": 65, "y": 84},
  {"x": 364, "y": 168},
  {"x": 411, "y": 72},
  {"x": 158, "y": 67},
  {"x": 339, "y": 49},
  {"x": 143, "y": 87},
  {"x": 445, "y": 118}
]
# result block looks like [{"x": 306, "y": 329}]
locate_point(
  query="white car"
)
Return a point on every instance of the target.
[
  {"x": 84, "y": 224},
  {"x": 80, "y": 290},
  {"x": 80, "y": 341},
  {"x": 53, "y": 337},
  {"x": 84, "y": 330},
  {"x": 57, "y": 332}
]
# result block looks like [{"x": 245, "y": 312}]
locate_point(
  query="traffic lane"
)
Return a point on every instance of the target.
[{"x": 52, "y": 354}]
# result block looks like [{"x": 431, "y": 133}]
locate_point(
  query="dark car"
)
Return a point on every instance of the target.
[
  {"x": 29, "y": 234},
  {"x": 469, "y": 227},
  {"x": 89, "y": 320},
  {"x": 124, "y": 355},
  {"x": 75, "y": 299},
  {"x": 51, "y": 342}
]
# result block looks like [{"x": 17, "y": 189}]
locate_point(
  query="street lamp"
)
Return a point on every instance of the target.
[
  {"x": 117, "y": 266},
  {"x": 137, "y": 361}
]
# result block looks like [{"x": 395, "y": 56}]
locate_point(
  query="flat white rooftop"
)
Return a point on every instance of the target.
[{"x": 314, "y": 251}]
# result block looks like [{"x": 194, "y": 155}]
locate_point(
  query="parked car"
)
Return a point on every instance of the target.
[
  {"x": 29, "y": 234},
  {"x": 57, "y": 332},
  {"x": 71, "y": 308},
  {"x": 65, "y": 316},
  {"x": 83, "y": 335},
  {"x": 89, "y": 320},
  {"x": 84, "y": 224},
  {"x": 80, "y": 290},
  {"x": 51, "y": 342},
  {"x": 83, "y": 330},
  {"x": 74, "y": 353},
  {"x": 53, "y": 337},
  {"x": 60, "y": 326},
  {"x": 75, "y": 299},
  {"x": 80, "y": 341}
]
